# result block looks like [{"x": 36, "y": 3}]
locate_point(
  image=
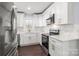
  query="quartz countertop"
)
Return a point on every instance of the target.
[
  {"x": 55, "y": 36},
  {"x": 64, "y": 37}
]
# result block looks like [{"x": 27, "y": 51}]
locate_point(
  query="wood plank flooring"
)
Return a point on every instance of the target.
[{"x": 33, "y": 50}]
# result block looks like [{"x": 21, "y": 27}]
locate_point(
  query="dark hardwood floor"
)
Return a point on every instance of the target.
[{"x": 33, "y": 50}]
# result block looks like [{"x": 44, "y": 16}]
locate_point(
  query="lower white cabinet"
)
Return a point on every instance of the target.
[
  {"x": 28, "y": 39},
  {"x": 51, "y": 48},
  {"x": 63, "y": 48}
]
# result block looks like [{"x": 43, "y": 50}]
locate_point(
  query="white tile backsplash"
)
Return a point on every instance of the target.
[
  {"x": 69, "y": 32},
  {"x": 66, "y": 28}
]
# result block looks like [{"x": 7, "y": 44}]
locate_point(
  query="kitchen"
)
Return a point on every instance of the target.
[{"x": 39, "y": 28}]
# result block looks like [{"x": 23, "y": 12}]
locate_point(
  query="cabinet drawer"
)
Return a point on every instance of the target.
[
  {"x": 59, "y": 51},
  {"x": 55, "y": 48},
  {"x": 51, "y": 48},
  {"x": 56, "y": 41}
]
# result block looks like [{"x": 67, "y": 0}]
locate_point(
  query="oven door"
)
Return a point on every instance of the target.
[{"x": 45, "y": 40}]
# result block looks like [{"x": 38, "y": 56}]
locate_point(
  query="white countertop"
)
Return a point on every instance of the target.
[
  {"x": 55, "y": 36},
  {"x": 65, "y": 36}
]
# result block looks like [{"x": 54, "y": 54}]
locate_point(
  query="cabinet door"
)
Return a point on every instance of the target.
[
  {"x": 51, "y": 48},
  {"x": 52, "y": 10},
  {"x": 61, "y": 13},
  {"x": 57, "y": 13},
  {"x": 55, "y": 48},
  {"x": 33, "y": 38},
  {"x": 38, "y": 38},
  {"x": 42, "y": 21},
  {"x": 46, "y": 15},
  {"x": 36, "y": 20},
  {"x": 20, "y": 19},
  {"x": 24, "y": 40},
  {"x": 28, "y": 39}
]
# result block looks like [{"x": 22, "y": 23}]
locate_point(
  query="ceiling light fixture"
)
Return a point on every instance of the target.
[
  {"x": 13, "y": 6},
  {"x": 28, "y": 8}
]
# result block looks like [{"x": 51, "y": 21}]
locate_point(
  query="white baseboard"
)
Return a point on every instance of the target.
[{"x": 29, "y": 44}]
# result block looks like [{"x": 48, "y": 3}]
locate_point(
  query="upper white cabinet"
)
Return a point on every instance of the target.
[
  {"x": 20, "y": 19},
  {"x": 61, "y": 13},
  {"x": 42, "y": 21},
  {"x": 46, "y": 14},
  {"x": 64, "y": 12},
  {"x": 38, "y": 21}
]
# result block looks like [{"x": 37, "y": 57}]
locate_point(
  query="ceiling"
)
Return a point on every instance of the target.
[{"x": 32, "y": 7}]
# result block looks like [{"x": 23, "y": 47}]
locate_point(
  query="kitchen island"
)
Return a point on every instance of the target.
[{"x": 63, "y": 46}]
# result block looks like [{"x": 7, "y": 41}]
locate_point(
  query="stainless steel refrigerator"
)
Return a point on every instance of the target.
[{"x": 8, "y": 41}]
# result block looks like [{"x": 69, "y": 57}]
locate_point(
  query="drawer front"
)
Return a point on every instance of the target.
[
  {"x": 55, "y": 47},
  {"x": 51, "y": 48},
  {"x": 56, "y": 41}
]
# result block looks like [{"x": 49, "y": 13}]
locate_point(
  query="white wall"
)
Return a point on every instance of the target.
[{"x": 76, "y": 12}]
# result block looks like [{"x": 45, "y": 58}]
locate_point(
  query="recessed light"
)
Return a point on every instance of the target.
[
  {"x": 13, "y": 6},
  {"x": 28, "y": 8}
]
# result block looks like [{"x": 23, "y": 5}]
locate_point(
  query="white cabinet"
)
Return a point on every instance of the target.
[
  {"x": 28, "y": 39},
  {"x": 20, "y": 19},
  {"x": 41, "y": 21},
  {"x": 63, "y": 48},
  {"x": 64, "y": 13},
  {"x": 46, "y": 14},
  {"x": 35, "y": 20},
  {"x": 51, "y": 47},
  {"x": 61, "y": 13},
  {"x": 56, "y": 47},
  {"x": 23, "y": 39}
]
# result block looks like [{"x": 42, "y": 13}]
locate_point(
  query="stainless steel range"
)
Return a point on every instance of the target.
[{"x": 45, "y": 43}]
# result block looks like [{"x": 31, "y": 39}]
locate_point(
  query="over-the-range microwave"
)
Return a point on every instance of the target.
[{"x": 51, "y": 20}]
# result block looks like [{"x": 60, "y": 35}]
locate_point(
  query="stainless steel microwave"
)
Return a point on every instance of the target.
[{"x": 51, "y": 20}]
